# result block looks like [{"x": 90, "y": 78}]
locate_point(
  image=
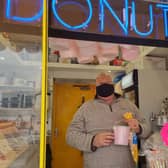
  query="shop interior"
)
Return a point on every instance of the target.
[{"x": 72, "y": 68}]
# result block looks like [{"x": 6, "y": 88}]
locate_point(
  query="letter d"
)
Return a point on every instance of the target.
[{"x": 22, "y": 19}]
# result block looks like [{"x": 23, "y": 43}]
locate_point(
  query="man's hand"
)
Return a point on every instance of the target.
[
  {"x": 103, "y": 139},
  {"x": 133, "y": 124}
]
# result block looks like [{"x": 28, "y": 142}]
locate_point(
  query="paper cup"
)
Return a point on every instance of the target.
[{"x": 121, "y": 134}]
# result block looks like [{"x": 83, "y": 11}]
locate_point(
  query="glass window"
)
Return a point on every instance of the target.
[{"x": 20, "y": 84}]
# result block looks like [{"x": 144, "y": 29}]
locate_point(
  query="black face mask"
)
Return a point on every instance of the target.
[{"x": 105, "y": 90}]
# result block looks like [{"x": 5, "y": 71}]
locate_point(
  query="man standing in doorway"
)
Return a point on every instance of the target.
[{"x": 91, "y": 129}]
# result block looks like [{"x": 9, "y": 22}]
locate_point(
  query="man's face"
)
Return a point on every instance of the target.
[{"x": 108, "y": 99}]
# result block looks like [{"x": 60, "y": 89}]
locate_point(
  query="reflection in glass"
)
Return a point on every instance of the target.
[{"x": 20, "y": 78}]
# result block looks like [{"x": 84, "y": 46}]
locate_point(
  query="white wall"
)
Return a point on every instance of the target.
[
  {"x": 153, "y": 88},
  {"x": 155, "y": 63}
]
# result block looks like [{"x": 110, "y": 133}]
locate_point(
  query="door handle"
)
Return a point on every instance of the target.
[{"x": 56, "y": 132}]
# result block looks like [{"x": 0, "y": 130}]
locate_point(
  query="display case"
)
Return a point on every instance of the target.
[{"x": 20, "y": 85}]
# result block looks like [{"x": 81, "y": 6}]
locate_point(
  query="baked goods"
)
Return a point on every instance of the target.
[{"x": 5, "y": 124}]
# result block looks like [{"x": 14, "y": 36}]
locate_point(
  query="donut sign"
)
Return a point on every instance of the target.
[{"x": 156, "y": 12}]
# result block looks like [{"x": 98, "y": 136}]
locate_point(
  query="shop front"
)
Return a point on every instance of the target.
[
  {"x": 84, "y": 38},
  {"x": 21, "y": 81},
  {"x": 88, "y": 37}
]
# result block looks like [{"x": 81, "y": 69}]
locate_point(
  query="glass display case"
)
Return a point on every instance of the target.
[{"x": 20, "y": 90}]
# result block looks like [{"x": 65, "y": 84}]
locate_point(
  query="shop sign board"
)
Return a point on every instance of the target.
[{"x": 127, "y": 24}]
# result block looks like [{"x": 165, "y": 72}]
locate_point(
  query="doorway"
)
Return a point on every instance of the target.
[{"x": 67, "y": 98}]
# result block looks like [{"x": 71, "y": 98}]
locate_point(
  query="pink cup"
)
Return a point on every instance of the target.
[{"x": 121, "y": 134}]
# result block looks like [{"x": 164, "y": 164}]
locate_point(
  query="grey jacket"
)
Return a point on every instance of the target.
[{"x": 94, "y": 117}]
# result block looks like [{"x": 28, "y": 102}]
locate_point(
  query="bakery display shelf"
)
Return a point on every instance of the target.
[{"x": 61, "y": 66}]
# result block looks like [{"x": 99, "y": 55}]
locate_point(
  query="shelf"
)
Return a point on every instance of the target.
[
  {"x": 5, "y": 109},
  {"x": 9, "y": 112},
  {"x": 64, "y": 66},
  {"x": 16, "y": 88}
]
